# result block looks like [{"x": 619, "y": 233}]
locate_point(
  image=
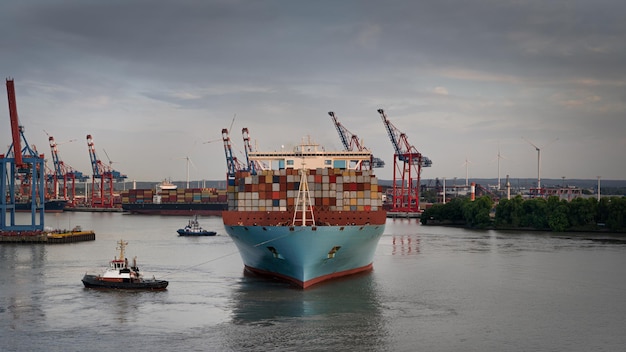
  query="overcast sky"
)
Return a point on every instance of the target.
[{"x": 154, "y": 82}]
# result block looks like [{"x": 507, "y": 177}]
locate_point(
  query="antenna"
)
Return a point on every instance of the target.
[{"x": 539, "y": 158}]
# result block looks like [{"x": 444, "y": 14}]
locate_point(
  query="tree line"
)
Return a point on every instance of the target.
[{"x": 551, "y": 214}]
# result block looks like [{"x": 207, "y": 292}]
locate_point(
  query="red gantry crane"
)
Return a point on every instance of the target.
[
  {"x": 351, "y": 141},
  {"x": 64, "y": 177},
  {"x": 20, "y": 168},
  {"x": 408, "y": 163},
  {"x": 101, "y": 193}
]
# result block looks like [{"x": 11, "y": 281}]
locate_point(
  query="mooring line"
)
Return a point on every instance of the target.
[{"x": 231, "y": 253}]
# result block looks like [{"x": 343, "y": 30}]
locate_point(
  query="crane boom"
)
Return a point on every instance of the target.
[
  {"x": 59, "y": 170},
  {"x": 404, "y": 150},
  {"x": 252, "y": 165},
  {"x": 15, "y": 125},
  {"x": 343, "y": 133},
  {"x": 64, "y": 176},
  {"x": 106, "y": 175},
  {"x": 233, "y": 165},
  {"x": 351, "y": 140},
  {"x": 96, "y": 165}
]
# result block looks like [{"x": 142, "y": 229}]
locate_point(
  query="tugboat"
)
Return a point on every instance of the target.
[
  {"x": 119, "y": 275},
  {"x": 193, "y": 228}
]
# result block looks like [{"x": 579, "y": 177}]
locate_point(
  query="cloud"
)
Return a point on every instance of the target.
[
  {"x": 456, "y": 76},
  {"x": 440, "y": 91}
]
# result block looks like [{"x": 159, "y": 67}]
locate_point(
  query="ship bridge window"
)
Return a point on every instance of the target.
[
  {"x": 339, "y": 164},
  {"x": 328, "y": 162}
]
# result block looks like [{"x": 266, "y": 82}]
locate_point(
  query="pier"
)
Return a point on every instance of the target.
[
  {"x": 46, "y": 237},
  {"x": 403, "y": 215}
]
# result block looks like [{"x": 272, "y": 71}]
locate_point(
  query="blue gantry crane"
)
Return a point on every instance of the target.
[
  {"x": 21, "y": 168},
  {"x": 232, "y": 163},
  {"x": 252, "y": 164},
  {"x": 408, "y": 163},
  {"x": 351, "y": 141}
]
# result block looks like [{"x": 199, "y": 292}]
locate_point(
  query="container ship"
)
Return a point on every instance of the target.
[
  {"x": 313, "y": 217},
  {"x": 168, "y": 199},
  {"x": 50, "y": 206}
]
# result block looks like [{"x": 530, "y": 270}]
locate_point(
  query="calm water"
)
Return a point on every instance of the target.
[{"x": 432, "y": 289}]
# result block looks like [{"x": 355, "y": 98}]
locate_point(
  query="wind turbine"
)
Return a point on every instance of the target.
[
  {"x": 110, "y": 161},
  {"x": 466, "y": 163},
  {"x": 188, "y": 162},
  {"x": 499, "y": 156},
  {"x": 539, "y": 159}
]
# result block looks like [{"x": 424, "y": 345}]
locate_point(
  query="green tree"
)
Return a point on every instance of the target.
[
  {"x": 508, "y": 212},
  {"x": 582, "y": 212},
  {"x": 617, "y": 214},
  {"x": 557, "y": 213},
  {"x": 476, "y": 213},
  {"x": 534, "y": 213},
  {"x": 449, "y": 212}
]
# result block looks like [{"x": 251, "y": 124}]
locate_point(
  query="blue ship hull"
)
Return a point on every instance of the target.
[{"x": 306, "y": 255}]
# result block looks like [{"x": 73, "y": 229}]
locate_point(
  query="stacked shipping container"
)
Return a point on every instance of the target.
[
  {"x": 183, "y": 195},
  {"x": 330, "y": 189}
]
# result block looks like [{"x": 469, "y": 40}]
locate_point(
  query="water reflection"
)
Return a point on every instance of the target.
[
  {"x": 122, "y": 305},
  {"x": 405, "y": 245},
  {"x": 21, "y": 277},
  {"x": 346, "y": 310}
]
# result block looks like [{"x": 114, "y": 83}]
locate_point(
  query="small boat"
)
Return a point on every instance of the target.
[
  {"x": 193, "y": 228},
  {"x": 119, "y": 275}
]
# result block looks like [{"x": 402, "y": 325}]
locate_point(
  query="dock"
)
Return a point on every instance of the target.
[{"x": 403, "y": 215}]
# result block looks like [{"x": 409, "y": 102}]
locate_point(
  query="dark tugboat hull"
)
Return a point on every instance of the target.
[
  {"x": 94, "y": 281},
  {"x": 182, "y": 232}
]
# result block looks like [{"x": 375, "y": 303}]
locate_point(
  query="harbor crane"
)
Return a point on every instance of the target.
[
  {"x": 24, "y": 168},
  {"x": 253, "y": 165},
  {"x": 64, "y": 177},
  {"x": 102, "y": 191},
  {"x": 232, "y": 163},
  {"x": 351, "y": 141},
  {"x": 408, "y": 164}
]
